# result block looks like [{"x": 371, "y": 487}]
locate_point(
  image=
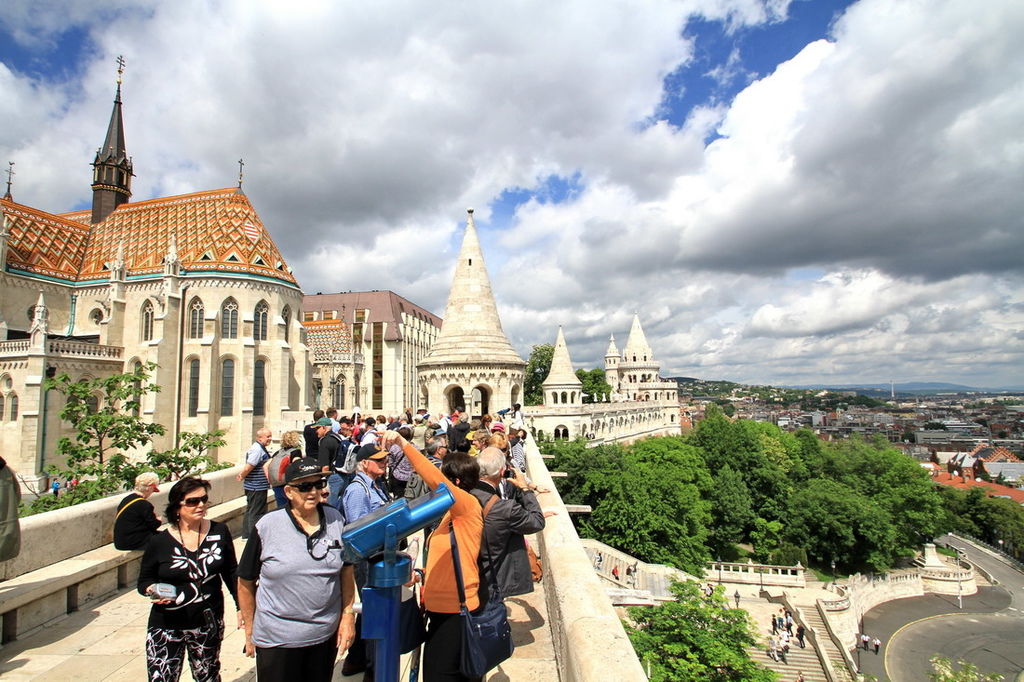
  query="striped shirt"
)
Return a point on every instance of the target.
[{"x": 257, "y": 456}]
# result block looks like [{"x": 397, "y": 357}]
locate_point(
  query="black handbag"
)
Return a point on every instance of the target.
[
  {"x": 486, "y": 635},
  {"x": 411, "y": 630}
]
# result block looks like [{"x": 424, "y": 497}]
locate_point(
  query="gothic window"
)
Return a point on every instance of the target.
[
  {"x": 259, "y": 327},
  {"x": 286, "y": 315},
  {"x": 195, "y": 319},
  {"x": 193, "y": 387},
  {"x": 259, "y": 389},
  {"x": 227, "y": 387},
  {"x": 147, "y": 321},
  {"x": 229, "y": 319},
  {"x": 12, "y": 399},
  {"x": 2, "y": 406}
]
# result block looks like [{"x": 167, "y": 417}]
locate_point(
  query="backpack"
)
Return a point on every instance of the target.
[
  {"x": 276, "y": 466},
  {"x": 345, "y": 457}
]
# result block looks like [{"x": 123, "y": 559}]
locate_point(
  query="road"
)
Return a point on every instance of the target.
[{"x": 987, "y": 632}]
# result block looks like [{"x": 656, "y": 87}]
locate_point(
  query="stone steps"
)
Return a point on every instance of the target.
[
  {"x": 832, "y": 653},
  {"x": 797, "y": 661}
]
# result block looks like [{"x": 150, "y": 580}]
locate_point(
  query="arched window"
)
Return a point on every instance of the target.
[
  {"x": 259, "y": 389},
  {"x": 286, "y": 315},
  {"x": 193, "y": 387},
  {"x": 13, "y": 400},
  {"x": 229, "y": 319},
  {"x": 92, "y": 404},
  {"x": 259, "y": 323},
  {"x": 147, "y": 321},
  {"x": 195, "y": 319},
  {"x": 564, "y": 398},
  {"x": 227, "y": 386},
  {"x": 2, "y": 406}
]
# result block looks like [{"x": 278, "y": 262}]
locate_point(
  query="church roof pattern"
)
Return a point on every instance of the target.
[
  {"x": 40, "y": 243},
  {"x": 328, "y": 339},
  {"x": 216, "y": 230}
]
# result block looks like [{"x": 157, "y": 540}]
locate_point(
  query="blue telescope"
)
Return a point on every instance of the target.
[{"x": 375, "y": 538}]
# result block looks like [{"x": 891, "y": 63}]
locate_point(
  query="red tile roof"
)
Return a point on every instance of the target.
[
  {"x": 993, "y": 489},
  {"x": 216, "y": 230}
]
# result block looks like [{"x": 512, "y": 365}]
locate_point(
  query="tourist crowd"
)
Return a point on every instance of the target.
[{"x": 294, "y": 592}]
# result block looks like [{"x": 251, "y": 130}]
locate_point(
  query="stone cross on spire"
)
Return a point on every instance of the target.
[
  {"x": 241, "y": 163},
  {"x": 10, "y": 178}
]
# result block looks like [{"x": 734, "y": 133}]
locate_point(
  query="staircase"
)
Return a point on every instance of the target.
[
  {"x": 825, "y": 643},
  {"x": 797, "y": 661}
]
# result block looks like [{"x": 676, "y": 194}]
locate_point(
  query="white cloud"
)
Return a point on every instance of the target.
[{"x": 888, "y": 158}]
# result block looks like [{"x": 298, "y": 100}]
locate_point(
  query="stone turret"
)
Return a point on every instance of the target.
[
  {"x": 637, "y": 349},
  {"x": 611, "y": 364},
  {"x": 471, "y": 365},
  {"x": 562, "y": 386}
]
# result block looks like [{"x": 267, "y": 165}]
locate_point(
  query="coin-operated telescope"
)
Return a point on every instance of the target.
[{"x": 375, "y": 538}]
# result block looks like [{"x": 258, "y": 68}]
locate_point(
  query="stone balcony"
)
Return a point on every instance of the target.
[{"x": 64, "y": 349}]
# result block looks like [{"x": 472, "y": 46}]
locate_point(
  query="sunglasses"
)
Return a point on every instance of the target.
[
  {"x": 195, "y": 501},
  {"x": 310, "y": 485}
]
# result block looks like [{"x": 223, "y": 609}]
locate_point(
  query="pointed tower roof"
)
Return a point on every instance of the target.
[
  {"x": 613, "y": 350},
  {"x": 471, "y": 331},
  {"x": 561, "y": 373},
  {"x": 637, "y": 344},
  {"x": 113, "y": 148}
]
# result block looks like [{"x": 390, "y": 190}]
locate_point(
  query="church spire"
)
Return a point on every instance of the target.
[
  {"x": 471, "y": 331},
  {"x": 112, "y": 168},
  {"x": 561, "y": 373}
]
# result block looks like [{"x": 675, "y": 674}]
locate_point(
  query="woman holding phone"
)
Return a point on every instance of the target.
[{"x": 182, "y": 571}]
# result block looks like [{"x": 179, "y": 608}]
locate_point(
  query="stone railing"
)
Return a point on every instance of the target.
[
  {"x": 19, "y": 347},
  {"x": 756, "y": 574},
  {"x": 816, "y": 639},
  {"x": 81, "y": 349},
  {"x": 589, "y": 640},
  {"x": 840, "y": 604},
  {"x": 863, "y": 593}
]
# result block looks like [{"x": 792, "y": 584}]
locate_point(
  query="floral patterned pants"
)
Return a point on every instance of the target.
[{"x": 166, "y": 649}]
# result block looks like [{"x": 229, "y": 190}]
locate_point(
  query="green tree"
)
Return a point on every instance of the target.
[
  {"x": 537, "y": 367},
  {"x": 695, "y": 638},
  {"x": 108, "y": 431},
  {"x": 731, "y": 512},
  {"x": 944, "y": 670},
  {"x": 593, "y": 384}
]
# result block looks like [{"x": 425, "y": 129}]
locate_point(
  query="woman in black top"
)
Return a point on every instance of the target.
[
  {"x": 136, "y": 520},
  {"x": 193, "y": 555}
]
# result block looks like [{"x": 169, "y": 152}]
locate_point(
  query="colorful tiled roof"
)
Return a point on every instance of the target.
[
  {"x": 44, "y": 244},
  {"x": 328, "y": 337},
  {"x": 989, "y": 453},
  {"x": 216, "y": 230}
]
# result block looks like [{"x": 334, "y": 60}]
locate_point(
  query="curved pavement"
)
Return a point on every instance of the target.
[{"x": 987, "y": 632}]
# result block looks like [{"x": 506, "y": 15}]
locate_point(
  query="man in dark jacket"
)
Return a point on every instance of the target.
[
  {"x": 457, "y": 433},
  {"x": 514, "y": 514},
  {"x": 311, "y": 434}
]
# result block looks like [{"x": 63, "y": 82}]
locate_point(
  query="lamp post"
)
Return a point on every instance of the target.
[{"x": 833, "y": 564}]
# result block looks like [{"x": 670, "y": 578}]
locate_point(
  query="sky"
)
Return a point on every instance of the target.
[{"x": 785, "y": 191}]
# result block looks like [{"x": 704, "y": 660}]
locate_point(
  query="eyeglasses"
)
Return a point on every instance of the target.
[
  {"x": 195, "y": 501},
  {"x": 310, "y": 485}
]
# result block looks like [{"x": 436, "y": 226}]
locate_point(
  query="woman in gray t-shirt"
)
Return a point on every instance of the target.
[{"x": 294, "y": 590}]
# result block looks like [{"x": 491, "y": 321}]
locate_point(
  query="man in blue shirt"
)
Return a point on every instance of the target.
[
  {"x": 363, "y": 495},
  {"x": 254, "y": 481}
]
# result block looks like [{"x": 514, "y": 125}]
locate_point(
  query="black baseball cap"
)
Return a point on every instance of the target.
[
  {"x": 370, "y": 451},
  {"x": 304, "y": 467}
]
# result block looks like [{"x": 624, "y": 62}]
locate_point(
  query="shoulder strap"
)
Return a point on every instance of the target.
[
  {"x": 458, "y": 566},
  {"x": 121, "y": 510},
  {"x": 487, "y": 507}
]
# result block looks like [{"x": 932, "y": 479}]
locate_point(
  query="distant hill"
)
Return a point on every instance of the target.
[{"x": 913, "y": 387}]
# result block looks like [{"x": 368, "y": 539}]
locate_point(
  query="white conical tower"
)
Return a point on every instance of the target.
[
  {"x": 471, "y": 364},
  {"x": 637, "y": 349},
  {"x": 611, "y": 364},
  {"x": 562, "y": 386}
]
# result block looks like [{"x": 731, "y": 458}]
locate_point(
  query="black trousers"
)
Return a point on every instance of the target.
[
  {"x": 255, "y": 508},
  {"x": 309, "y": 663},
  {"x": 442, "y": 650}
]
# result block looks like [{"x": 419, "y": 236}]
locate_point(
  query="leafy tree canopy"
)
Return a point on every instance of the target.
[
  {"x": 594, "y": 385},
  {"x": 537, "y": 367},
  {"x": 695, "y": 638}
]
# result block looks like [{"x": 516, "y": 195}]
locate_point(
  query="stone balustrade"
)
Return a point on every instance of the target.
[
  {"x": 81, "y": 349},
  {"x": 19, "y": 347},
  {"x": 589, "y": 640},
  {"x": 756, "y": 574}
]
